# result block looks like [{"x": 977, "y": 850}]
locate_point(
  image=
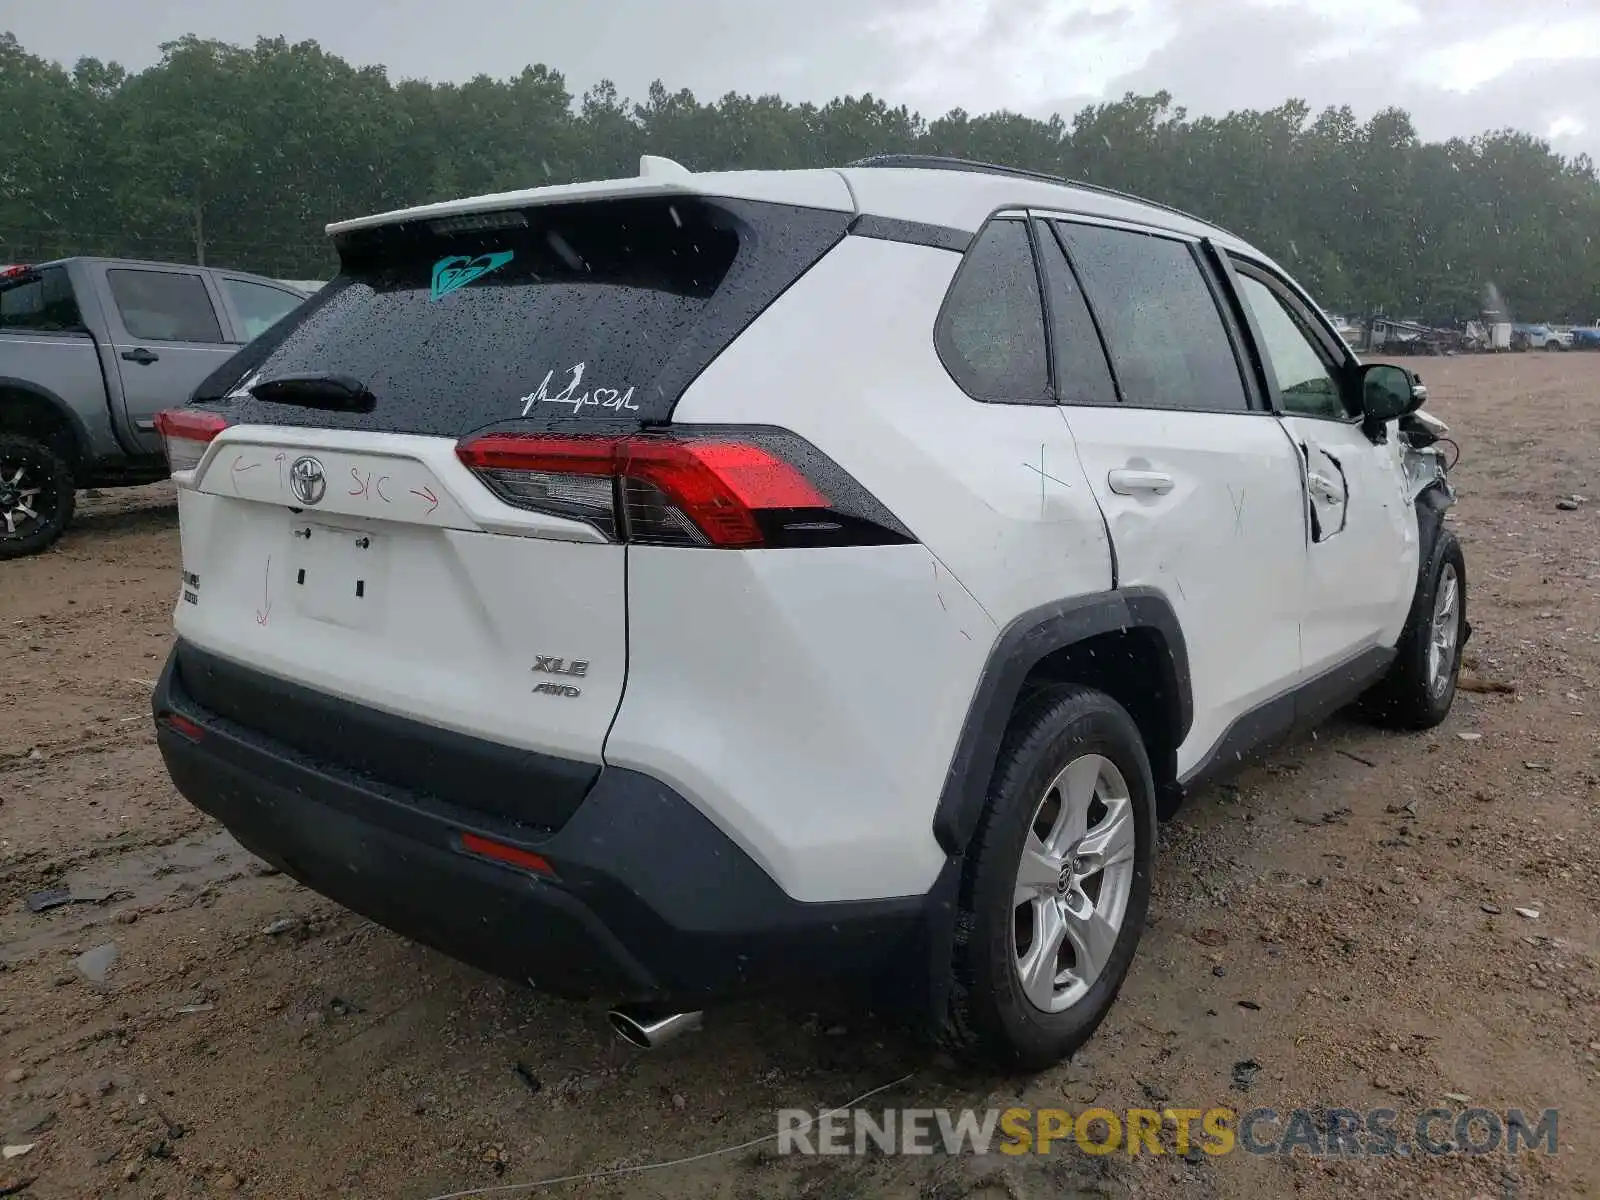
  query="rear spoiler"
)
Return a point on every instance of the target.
[{"x": 818, "y": 188}]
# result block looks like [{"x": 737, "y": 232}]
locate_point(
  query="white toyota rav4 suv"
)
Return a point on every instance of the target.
[{"x": 659, "y": 588}]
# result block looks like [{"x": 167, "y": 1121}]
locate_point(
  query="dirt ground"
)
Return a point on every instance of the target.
[{"x": 1342, "y": 925}]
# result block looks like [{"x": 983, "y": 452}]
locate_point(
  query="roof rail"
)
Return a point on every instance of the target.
[{"x": 939, "y": 162}]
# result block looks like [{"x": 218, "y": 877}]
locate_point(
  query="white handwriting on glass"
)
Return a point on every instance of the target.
[{"x": 612, "y": 398}]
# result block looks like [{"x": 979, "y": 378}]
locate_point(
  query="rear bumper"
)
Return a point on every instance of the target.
[{"x": 648, "y": 902}]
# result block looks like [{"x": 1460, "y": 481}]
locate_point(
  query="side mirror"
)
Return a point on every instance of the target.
[{"x": 1389, "y": 392}]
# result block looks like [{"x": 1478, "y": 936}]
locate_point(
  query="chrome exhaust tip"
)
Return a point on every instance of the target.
[{"x": 649, "y": 1030}]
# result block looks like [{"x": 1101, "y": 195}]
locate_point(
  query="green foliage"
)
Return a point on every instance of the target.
[{"x": 238, "y": 156}]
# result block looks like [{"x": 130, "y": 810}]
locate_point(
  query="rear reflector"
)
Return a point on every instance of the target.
[
  {"x": 706, "y": 488},
  {"x": 512, "y": 856},
  {"x": 182, "y": 726},
  {"x": 186, "y": 432}
]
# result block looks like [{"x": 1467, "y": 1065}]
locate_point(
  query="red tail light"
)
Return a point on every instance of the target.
[
  {"x": 663, "y": 489},
  {"x": 186, "y": 432}
]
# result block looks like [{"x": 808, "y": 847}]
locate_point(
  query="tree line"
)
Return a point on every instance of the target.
[{"x": 238, "y": 156}]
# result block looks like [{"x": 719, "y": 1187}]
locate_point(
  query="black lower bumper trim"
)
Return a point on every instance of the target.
[
  {"x": 651, "y": 901},
  {"x": 533, "y": 789}
]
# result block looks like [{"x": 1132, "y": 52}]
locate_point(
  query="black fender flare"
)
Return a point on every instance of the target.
[
  {"x": 1020, "y": 647},
  {"x": 80, "y": 434},
  {"x": 1431, "y": 504}
]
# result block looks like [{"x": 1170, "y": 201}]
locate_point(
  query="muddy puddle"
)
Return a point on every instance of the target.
[{"x": 105, "y": 889}]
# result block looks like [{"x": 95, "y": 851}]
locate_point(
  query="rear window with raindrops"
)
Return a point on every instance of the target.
[{"x": 562, "y": 312}]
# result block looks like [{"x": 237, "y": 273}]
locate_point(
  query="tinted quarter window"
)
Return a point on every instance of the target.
[
  {"x": 1161, "y": 324},
  {"x": 1306, "y": 384},
  {"x": 44, "y": 304},
  {"x": 991, "y": 333},
  {"x": 1082, "y": 375},
  {"x": 259, "y": 307},
  {"x": 164, "y": 306}
]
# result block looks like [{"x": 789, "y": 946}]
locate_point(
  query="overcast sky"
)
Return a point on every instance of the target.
[{"x": 1459, "y": 66}]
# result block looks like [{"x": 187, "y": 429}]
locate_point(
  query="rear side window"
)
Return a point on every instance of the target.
[
  {"x": 555, "y": 315},
  {"x": 259, "y": 307},
  {"x": 1082, "y": 373},
  {"x": 44, "y": 304},
  {"x": 990, "y": 334},
  {"x": 1161, "y": 324},
  {"x": 164, "y": 306}
]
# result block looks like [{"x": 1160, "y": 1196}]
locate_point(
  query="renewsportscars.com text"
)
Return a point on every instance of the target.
[{"x": 1320, "y": 1132}]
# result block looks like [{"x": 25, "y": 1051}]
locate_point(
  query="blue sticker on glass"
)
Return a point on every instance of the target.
[{"x": 457, "y": 271}]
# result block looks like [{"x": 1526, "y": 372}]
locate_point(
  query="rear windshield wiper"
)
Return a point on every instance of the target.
[{"x": 339, "y": 393}]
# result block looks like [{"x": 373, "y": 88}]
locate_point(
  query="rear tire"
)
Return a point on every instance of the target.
[
  {"x": 1420, "y": 687},
  {"x": 1056, "y": 883},
  {"x": 36, "y": 496}
]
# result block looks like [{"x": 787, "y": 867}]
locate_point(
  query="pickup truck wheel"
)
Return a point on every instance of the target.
[
  {"x": 36, "y": 496},
  {"x": 1421, "y": 684},
  {"x": 1056, "y": 883}
]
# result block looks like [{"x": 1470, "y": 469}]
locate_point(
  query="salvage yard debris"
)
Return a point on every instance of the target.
[
  {"x": 1471, "y": 681},
  {"x": 94, "y": 965}
]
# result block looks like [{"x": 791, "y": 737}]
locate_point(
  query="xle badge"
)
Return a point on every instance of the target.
[
  {"x": 550, "y": 665},
  {"x": 455, "y": 272}
]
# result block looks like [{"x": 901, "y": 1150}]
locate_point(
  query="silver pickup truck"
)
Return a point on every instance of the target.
[{"x": 90, "y": 350}]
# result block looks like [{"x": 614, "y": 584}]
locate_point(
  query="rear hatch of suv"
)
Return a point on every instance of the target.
[{"x": 376, "y": 573}]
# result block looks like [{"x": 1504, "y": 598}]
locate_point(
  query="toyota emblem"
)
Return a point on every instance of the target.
[{"x": 307, "y": 481}]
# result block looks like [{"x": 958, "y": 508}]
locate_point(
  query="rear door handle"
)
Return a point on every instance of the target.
[
  {"x": 1127, "y": 481},
  {"x": 141, "y": 356}
]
